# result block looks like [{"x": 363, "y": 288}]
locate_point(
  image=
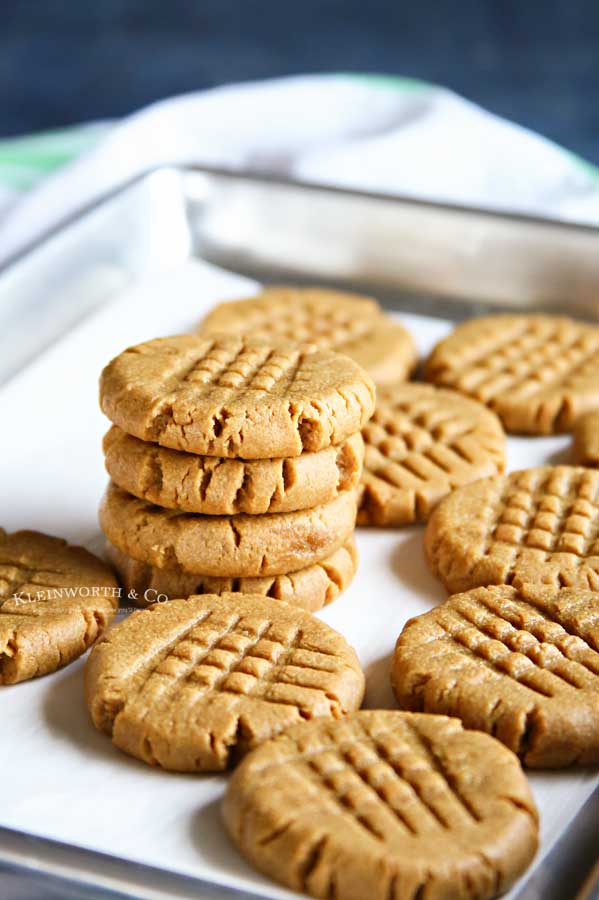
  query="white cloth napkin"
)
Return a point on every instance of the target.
[{"x": 371, "y": 133}]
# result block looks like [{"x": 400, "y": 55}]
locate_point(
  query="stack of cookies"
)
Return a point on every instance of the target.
[{"x": 234, "y": 466}]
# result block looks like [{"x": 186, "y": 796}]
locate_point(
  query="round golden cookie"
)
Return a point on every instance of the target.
[
  {"x": 421, "y": 443},
  {"x": 386, "y": 806},
  {"x": 538, "y": 373},
  {"x": 586, "y": 440},
  {"x": 193, "y": 684},
  {"x": 55, "y": 599},
  {"x": 310, "y": 588},
  {"x": 348, "y": 323},
  {"x": 235, "y": 396},
  {"x": 213, "y": 486},
  {"x": 522, "y": 665},
  {"x": 535, "y": 526},
  {"x": 226, "y": 546}
]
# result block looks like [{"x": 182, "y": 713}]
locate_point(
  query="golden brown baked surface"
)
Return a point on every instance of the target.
[
  {"x": 310, "y": 588},
  {"x": 421, "y": 443},
  {"x": 55, "y": 599},
  {"x": 214, "y": 486},
  {"x": 386, "y": 806},
  {"x": 348, "y": 323},
  {"x": 535, "y": 526},
  {"x": 586, "y": 440},
  {"x": 522, "y": 665},
  {"x": 226, "y": 546},
  {"x": 538, "y": 373},
  {"x": 190, "y": 685},
  {"x": 231, "y": 396}
]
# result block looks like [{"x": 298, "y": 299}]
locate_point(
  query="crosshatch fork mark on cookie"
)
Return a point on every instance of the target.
[
  {"x": 241, "y": 656},
  {"x": 236, "y": 397},
  {"x": 422, "y": 442},
  {"x": 407, "y": 450},
  {"x": 389, "y": 785},
  {"x": 323, "y": 317},
  {"x": 219, "y": 673},
  {"x": 518, "y": 658},
  {"x": 521, "y": 359},
  {"x": 383, "y": 805},
  {"x": 55, "y": 599},
  {"x": 14, "y": 580},
  {"x": 533, "y": 526},
  {"x": 249, "y": 368},
  {"x": 326, "y": 329},
  {"x": 538, "y": 372},
  {"x": 522, "y": 665},
  {"x": 553, "y": 511}
]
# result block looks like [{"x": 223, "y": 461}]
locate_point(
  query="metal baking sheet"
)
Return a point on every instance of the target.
[
  {"x": 397, "y": 247},
  {"x": 422, "y": 257},
  {"x": 71, "y": 805}
]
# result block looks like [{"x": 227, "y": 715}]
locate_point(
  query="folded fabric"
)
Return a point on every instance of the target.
[{"x": 367, "y": 132}]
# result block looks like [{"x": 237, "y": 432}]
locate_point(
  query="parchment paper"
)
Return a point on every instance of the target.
[{"x": 60, "y": 778}]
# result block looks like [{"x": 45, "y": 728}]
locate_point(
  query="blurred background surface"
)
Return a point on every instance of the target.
[{"x": 533, "y": 61}]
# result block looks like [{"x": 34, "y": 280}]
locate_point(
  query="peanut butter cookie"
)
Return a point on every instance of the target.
[
  {"x": 421, "y": 443},
  {"x": 235, "y": 396},
  {"x": 586, "y": 440},
  {"x": 213, "y": 486},
  {"x": 538, "y": 373},
  {"x": 348, "y": 323},
  {"x": 386, "y": 806},
  {"x": 55, "y": 599},
  {"x": 193, "y": 684},
  {"x": 522, "y": 665},
  {"x": 310, "y": 588},
  {"x": 226, "y": 546},
  {"x": 534, "y": 526}
]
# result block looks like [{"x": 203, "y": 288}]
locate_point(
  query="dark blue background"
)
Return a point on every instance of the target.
[{"x": 534, "y": 61}]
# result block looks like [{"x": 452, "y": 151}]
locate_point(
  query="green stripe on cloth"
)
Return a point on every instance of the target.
[
  {"x": 396, "y": 82},
  {"x": 591, "y": 170},
  {"x": 19, "y": 178},
  {"x": 26, "y": 160}
]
